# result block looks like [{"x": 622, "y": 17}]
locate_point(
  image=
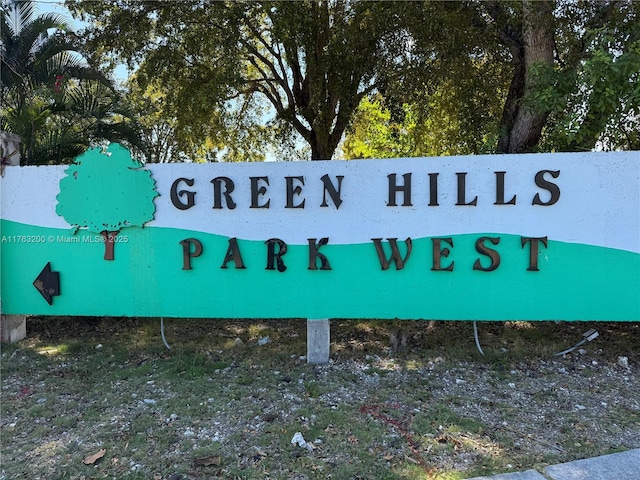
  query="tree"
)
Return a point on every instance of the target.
[
  {"x": 31, "y": 56},
  {"x": 575, "y": 63},
  {"x": 312, "y": 61},
  {"x": 377, "y": 133},
  {"x": 449, "y": 97},
  {"x": 56, "y": 127},
  {"x": 564, "y": 74},
  {"x": 50, "y": 96},
  {"x": 453, "y": 119},
  {"x": 593, "y": 89},
  {"x": 162, "y": 143},
  {"x": 172, "y": 138},
  {"x": 373, "y": 134},
  {"x": 527, "y": 30},
  {"x": 478, "y": 53},
  {"x": 87, "y": 201},
  {"x": 538, "y": 63}
]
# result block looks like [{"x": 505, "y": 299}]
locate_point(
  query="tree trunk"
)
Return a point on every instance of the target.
[
  {"x": 321, "y": 148},
  {"x": 512, "y": 102},
  {"x": 109, "y": 240},
  {"x": 521, "y": 126}
]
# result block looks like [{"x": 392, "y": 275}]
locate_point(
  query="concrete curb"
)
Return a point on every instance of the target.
[
  {"x": 616, "y": 466},
  {"x": 527, "y": 475}
]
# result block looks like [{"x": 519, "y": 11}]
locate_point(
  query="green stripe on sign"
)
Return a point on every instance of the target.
[{"x": 574, "y": 281}]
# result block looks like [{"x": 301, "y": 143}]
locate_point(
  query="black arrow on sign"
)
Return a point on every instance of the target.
[{"x": 48, "y": 283}]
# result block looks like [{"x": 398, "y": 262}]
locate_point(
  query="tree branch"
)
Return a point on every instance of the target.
[{"x": 280, "y": 79}]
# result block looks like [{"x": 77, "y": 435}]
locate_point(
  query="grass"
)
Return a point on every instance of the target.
[{"x": 439, "y": 410}]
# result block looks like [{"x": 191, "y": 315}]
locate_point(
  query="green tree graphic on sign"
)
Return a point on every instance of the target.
[{"x": 105, "y": 191}]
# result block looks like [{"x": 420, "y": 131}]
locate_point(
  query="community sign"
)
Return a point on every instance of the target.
[{"x": 508, "y": 237}]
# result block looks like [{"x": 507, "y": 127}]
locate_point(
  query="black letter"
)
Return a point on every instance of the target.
[
  {"x": 333, "y": 193},
  {"x": 256, "y": 192},
  {"x": 217, "y": 192},
  {"x": 187, "y": 254},
  {"x": 314, "y": 252},
  {"x": 233, "y": 253},
  {"x": 461, "y": 191},
  {"x": 294, "y": 191},
  {"x": 175, "y": 195},
  {"x": 489, "y": 252},
  {"x": 500, "y": 190},
  {"x": 533, "y": 252},
  {"x": 439, "y": 252},
  {"x": 277, "y": 256},
  {"x": 405, "y": 189},
  {"x": 433, "y": 189},
  {"x": 551, "y": 187},
  {"x": 395, "y": 253}
]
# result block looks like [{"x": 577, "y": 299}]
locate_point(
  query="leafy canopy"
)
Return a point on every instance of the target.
[
  {"x": 312, "y": 62},
  {"x": 459, "y": 77},
  {"x": 50, "y": 96}
]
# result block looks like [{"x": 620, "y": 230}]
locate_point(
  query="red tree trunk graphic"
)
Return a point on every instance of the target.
[{"x": 109, "y": 239}]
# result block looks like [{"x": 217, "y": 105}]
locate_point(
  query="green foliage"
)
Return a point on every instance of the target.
[
  {"x": 593, "y": 93},
  {"x": 31, "y": 56},
  {"x": 310, "y": 62},
  {"x": 443, "y": 129},
  {"x": 471, "y": 74},
  {"x": 447, "y": 99},
  {"x": 239, "y": 80},
  {"x": 372, "y": 133},
  {"x": 57, "y": 103}
]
